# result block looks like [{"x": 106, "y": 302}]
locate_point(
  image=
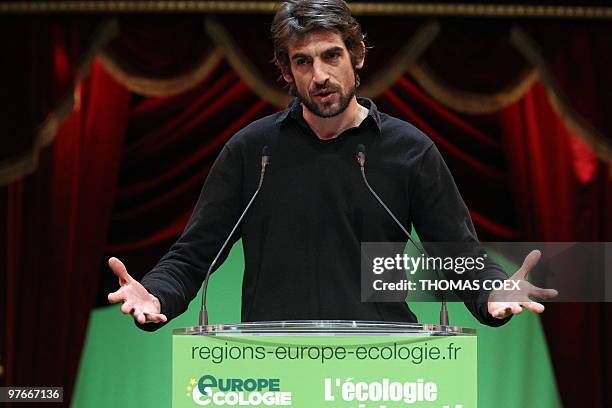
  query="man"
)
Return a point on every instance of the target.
[{"x": 302, "y": 237}]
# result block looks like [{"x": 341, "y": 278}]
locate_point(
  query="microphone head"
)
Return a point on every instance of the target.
[
  {"x": 361, "y": 155},
  {"x": 265, "y": 157}
]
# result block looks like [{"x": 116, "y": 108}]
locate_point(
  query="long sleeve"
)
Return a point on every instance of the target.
[
  {"x": 439, "y": 215},
  {"x": 178, "y": 276}
]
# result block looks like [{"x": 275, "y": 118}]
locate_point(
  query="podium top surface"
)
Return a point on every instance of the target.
[{"x": 324, "y": 328}]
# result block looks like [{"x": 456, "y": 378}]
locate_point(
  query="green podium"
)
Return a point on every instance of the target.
[{"x": 311, "y": 364}]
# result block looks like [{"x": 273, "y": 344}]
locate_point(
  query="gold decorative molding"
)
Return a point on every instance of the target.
[
  {"x": 479, "y": 10},
  {"x": 142, "y": 6},
  {"x": 243, "y": 67},
  {"x": 146, "y": 86},
  {"x": 26, "y": 163},
  {"x": 559, "y": 101},
  {"x": 406, "y": 57},
  {"x": 269, "y": 7},
  {"x": 386, "y": 77},
  {"x": 470, "y": 102}
]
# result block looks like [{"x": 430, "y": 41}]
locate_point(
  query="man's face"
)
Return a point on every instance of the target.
[{"x": 322, "y": 72}]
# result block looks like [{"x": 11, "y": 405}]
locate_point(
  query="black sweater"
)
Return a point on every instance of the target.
[{"x": 302, "y": 236}]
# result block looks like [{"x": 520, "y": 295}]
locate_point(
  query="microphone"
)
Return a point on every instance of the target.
[
  {"x": 265, "y": 162},
  {"x": 361, "y": 159}
]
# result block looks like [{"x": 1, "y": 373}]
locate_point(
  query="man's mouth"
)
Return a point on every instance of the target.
[{"x": 324, "y": 96}]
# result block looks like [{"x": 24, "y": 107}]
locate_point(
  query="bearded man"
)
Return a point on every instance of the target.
[{"x": 302, "y": 238}]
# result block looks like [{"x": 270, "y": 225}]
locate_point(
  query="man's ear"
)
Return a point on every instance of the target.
[
  {"x": 287, "y": 76},
  {"x": 359, "y": 64}
]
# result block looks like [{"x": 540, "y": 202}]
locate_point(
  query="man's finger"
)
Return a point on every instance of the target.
[
  {"x": 119, "y": 269},
  {"x": 116, "y": 297},
  {"x": 516, "y": 308},
  {"x": 156, "y": 317},
  {"x": 127, "y": 308},
  {"x": 534, "y": 307},
  {"x": 528, "y": 264},
  {"x": 543, "y": 293},
  {"x": 142, "y": 317},
  {"x": 139, "y": 315},
  {"x": 502, "y": 310},
  {"x": 507, "y": 309},
  {"x": 501, "y": 313}
]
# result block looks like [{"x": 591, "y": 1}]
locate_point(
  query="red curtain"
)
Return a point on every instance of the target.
[
  {"x": 41, "y": 57},
  {"x": 563, "y": 194},
  {"x": 57, "y": 221}
]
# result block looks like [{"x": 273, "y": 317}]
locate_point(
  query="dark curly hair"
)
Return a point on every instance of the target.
[{"x": 296, "y": 18}]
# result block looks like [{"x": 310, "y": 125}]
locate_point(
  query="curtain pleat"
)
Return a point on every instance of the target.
[{"x": 58, "y": 222}]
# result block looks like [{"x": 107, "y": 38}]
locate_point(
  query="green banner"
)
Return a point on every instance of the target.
[{"x": 324, "y": 371}]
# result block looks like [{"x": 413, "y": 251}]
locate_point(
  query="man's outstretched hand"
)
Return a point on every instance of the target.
[
  {"x": 137, "y": 301},
  {"x": 503, "y": 303}
]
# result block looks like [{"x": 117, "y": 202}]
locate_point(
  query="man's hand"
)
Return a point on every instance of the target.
[
  {"x": 503, "y": 303},
  {"x": 137, "y": 301}
]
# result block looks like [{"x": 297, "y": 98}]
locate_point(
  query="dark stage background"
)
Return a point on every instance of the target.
[{"x": 109, "y": 125}]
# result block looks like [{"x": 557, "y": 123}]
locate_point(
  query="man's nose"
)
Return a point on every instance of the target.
[{"x": 319, "y": 74}]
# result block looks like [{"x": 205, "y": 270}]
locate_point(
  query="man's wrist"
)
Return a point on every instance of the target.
[{"x": 156, "y": 304}]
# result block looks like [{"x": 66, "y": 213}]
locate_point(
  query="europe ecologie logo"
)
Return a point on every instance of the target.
[{"x": 210, "y": 390}]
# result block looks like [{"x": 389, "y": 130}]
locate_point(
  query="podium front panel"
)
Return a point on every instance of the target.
[{"x": 325, "y": 364}]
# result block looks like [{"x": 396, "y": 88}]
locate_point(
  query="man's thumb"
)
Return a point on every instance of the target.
[
  {"x": 119, "y": 269},
  {"x": 528, "y": 264}
]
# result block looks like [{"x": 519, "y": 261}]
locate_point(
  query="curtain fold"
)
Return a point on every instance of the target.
[
  {"x": 159, "y": 56},
  {"x": 585, "y": 94},
  {"x": 57, "y": 221},
  {"x": 562, "y": 193},
  {"x": 45, "y": 60}
]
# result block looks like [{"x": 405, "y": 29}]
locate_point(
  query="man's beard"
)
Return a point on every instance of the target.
[{"x": 343, "y": 103}]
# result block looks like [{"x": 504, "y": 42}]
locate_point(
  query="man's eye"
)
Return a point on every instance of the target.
[{"x": 300, "y": 61}]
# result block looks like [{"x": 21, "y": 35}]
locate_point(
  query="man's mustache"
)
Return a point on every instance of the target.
[{"x": 324, "y": 88}]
